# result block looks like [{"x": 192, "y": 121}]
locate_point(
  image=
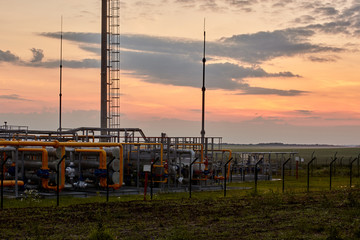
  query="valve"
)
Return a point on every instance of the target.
[
  {"x": 100, "y": 173},
  {"x": 43, "y": 173}
]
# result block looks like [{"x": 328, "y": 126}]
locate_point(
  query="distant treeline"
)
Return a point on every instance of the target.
[{"x": 279, "y": 144}]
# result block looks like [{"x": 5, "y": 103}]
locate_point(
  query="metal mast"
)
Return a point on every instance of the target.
[
  {"x": 60, "y": 94},
  {"x": 113, "y": 81},
  {"x": 203, "y": 96},
  {"x": 110, "y": 64}
]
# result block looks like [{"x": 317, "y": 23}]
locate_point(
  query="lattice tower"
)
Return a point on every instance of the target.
[{"x": 113, "y": 63}]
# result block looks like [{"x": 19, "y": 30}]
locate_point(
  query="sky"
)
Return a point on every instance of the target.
[{"x": 276, "y": 71}]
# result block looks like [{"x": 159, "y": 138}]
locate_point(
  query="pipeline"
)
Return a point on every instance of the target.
[
  {"x": 57, "y": 144},
  {"x": 11, "y": 183},
  {"x": 201, "y": 158},
  {"x": 161, "y": 158}
]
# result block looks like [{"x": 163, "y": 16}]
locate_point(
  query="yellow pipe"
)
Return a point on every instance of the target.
[
  {"x": 102, "y": 152},
  {"x": 10, "y": 183},
  {"x": 102, "y": 144},
  {"x": 57, "y": 144},
  {"x": 102, "y": 161},
  {"x": 44, "y": 166},
  {"x": 23, "y": 135}
]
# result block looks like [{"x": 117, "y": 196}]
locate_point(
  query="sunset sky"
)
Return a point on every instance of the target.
[{"x": 277, "y": 70}]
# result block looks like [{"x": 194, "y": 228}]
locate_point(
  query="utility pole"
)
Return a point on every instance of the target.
[
  {"x": 203, "y": 96},
  {"x": 60, "y": 94}
]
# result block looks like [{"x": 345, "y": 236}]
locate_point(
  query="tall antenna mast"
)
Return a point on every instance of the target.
[
  {"x": 203, "y": 95},
  {"x": 60, "y": 94}
]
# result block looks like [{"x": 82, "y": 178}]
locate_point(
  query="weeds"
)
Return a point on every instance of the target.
[
  {"x": 334, "y": 234},
  {"x": 100, "y": 233}
]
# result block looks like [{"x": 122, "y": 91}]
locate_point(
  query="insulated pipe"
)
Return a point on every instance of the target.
[
  {"x": 102, "y": 162},
  {"x": 195, "y": 144},
  {"x": 150, "y": 144},
  {"x": 102, "y": 144},
  {"x": 201, "y": 159},
  {"x": 161, "y": 157},
  {"x": 44, "y": 166},
  {"x": 39, "y": 143},
  {"x": 57, "y": 144}
]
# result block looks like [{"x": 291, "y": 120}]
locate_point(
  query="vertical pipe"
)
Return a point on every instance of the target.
[{"x": 103, "y": 104}]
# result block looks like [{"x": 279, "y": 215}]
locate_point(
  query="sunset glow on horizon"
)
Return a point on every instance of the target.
[{"x": 277, "y": 71}]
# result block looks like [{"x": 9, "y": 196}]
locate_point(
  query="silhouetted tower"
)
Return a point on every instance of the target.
[
  {"x": 110, "y": 64},
  {"x": 203, "y": 97}
]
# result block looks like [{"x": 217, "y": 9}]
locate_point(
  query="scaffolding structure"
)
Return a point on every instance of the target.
[{"x": 113, "y": 63}]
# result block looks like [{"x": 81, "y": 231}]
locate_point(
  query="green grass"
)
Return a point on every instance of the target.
[{"x": 243, "y": 214}]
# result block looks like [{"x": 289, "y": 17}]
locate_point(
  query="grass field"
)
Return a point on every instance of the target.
[
  {"x": 267, "y": 213},
  {"x": 243, "y": 214}
]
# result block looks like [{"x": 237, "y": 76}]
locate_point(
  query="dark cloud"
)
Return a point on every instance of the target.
[
  {"x": 7, "y": 56},
  {"x": 269, "y": 91},
  {"x": 13, "y": 97},
  {"x": 264, "y": 46},
  {"x": 282, "y": 3},
  {"x": 37, "y": 61},
  {"x": 182, "y": 70},
  {"x": 84, "y": 63},
  {"x": 321, "y": 59},
  {"x": 211, "y": 5},
  {"x": 336, "y": 27},
  {"x": 245, "y": 6},
  {"x": 305, "y": 112},
  {"x": 327, "y": 11},
  {"x": 80, "y": 37},
  {"x": 38, "y": 55},
  {"x": 305, "y": 19}
]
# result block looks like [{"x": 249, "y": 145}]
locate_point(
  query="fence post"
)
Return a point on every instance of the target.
[
  {"x": 225, "y": 176},
  {"x": 308, "y": 170},
  {"x": 58, "y": 180},
  {"x": 331, "y": 163},
  {"x": 190, "y": 176},
  {"x": 2, "y": 181},
  {"x": 350, "y": 166},
  {"x": 152, "y": 180},
  {"x": 107, "y": 178},
  {"x": 256, "y": 172},
  {"x": 283, "y": 174}
]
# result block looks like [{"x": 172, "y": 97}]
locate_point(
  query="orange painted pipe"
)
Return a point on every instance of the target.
[
  {"x": 57, "y": 144},
  {"x": 11, "y": 183}
]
